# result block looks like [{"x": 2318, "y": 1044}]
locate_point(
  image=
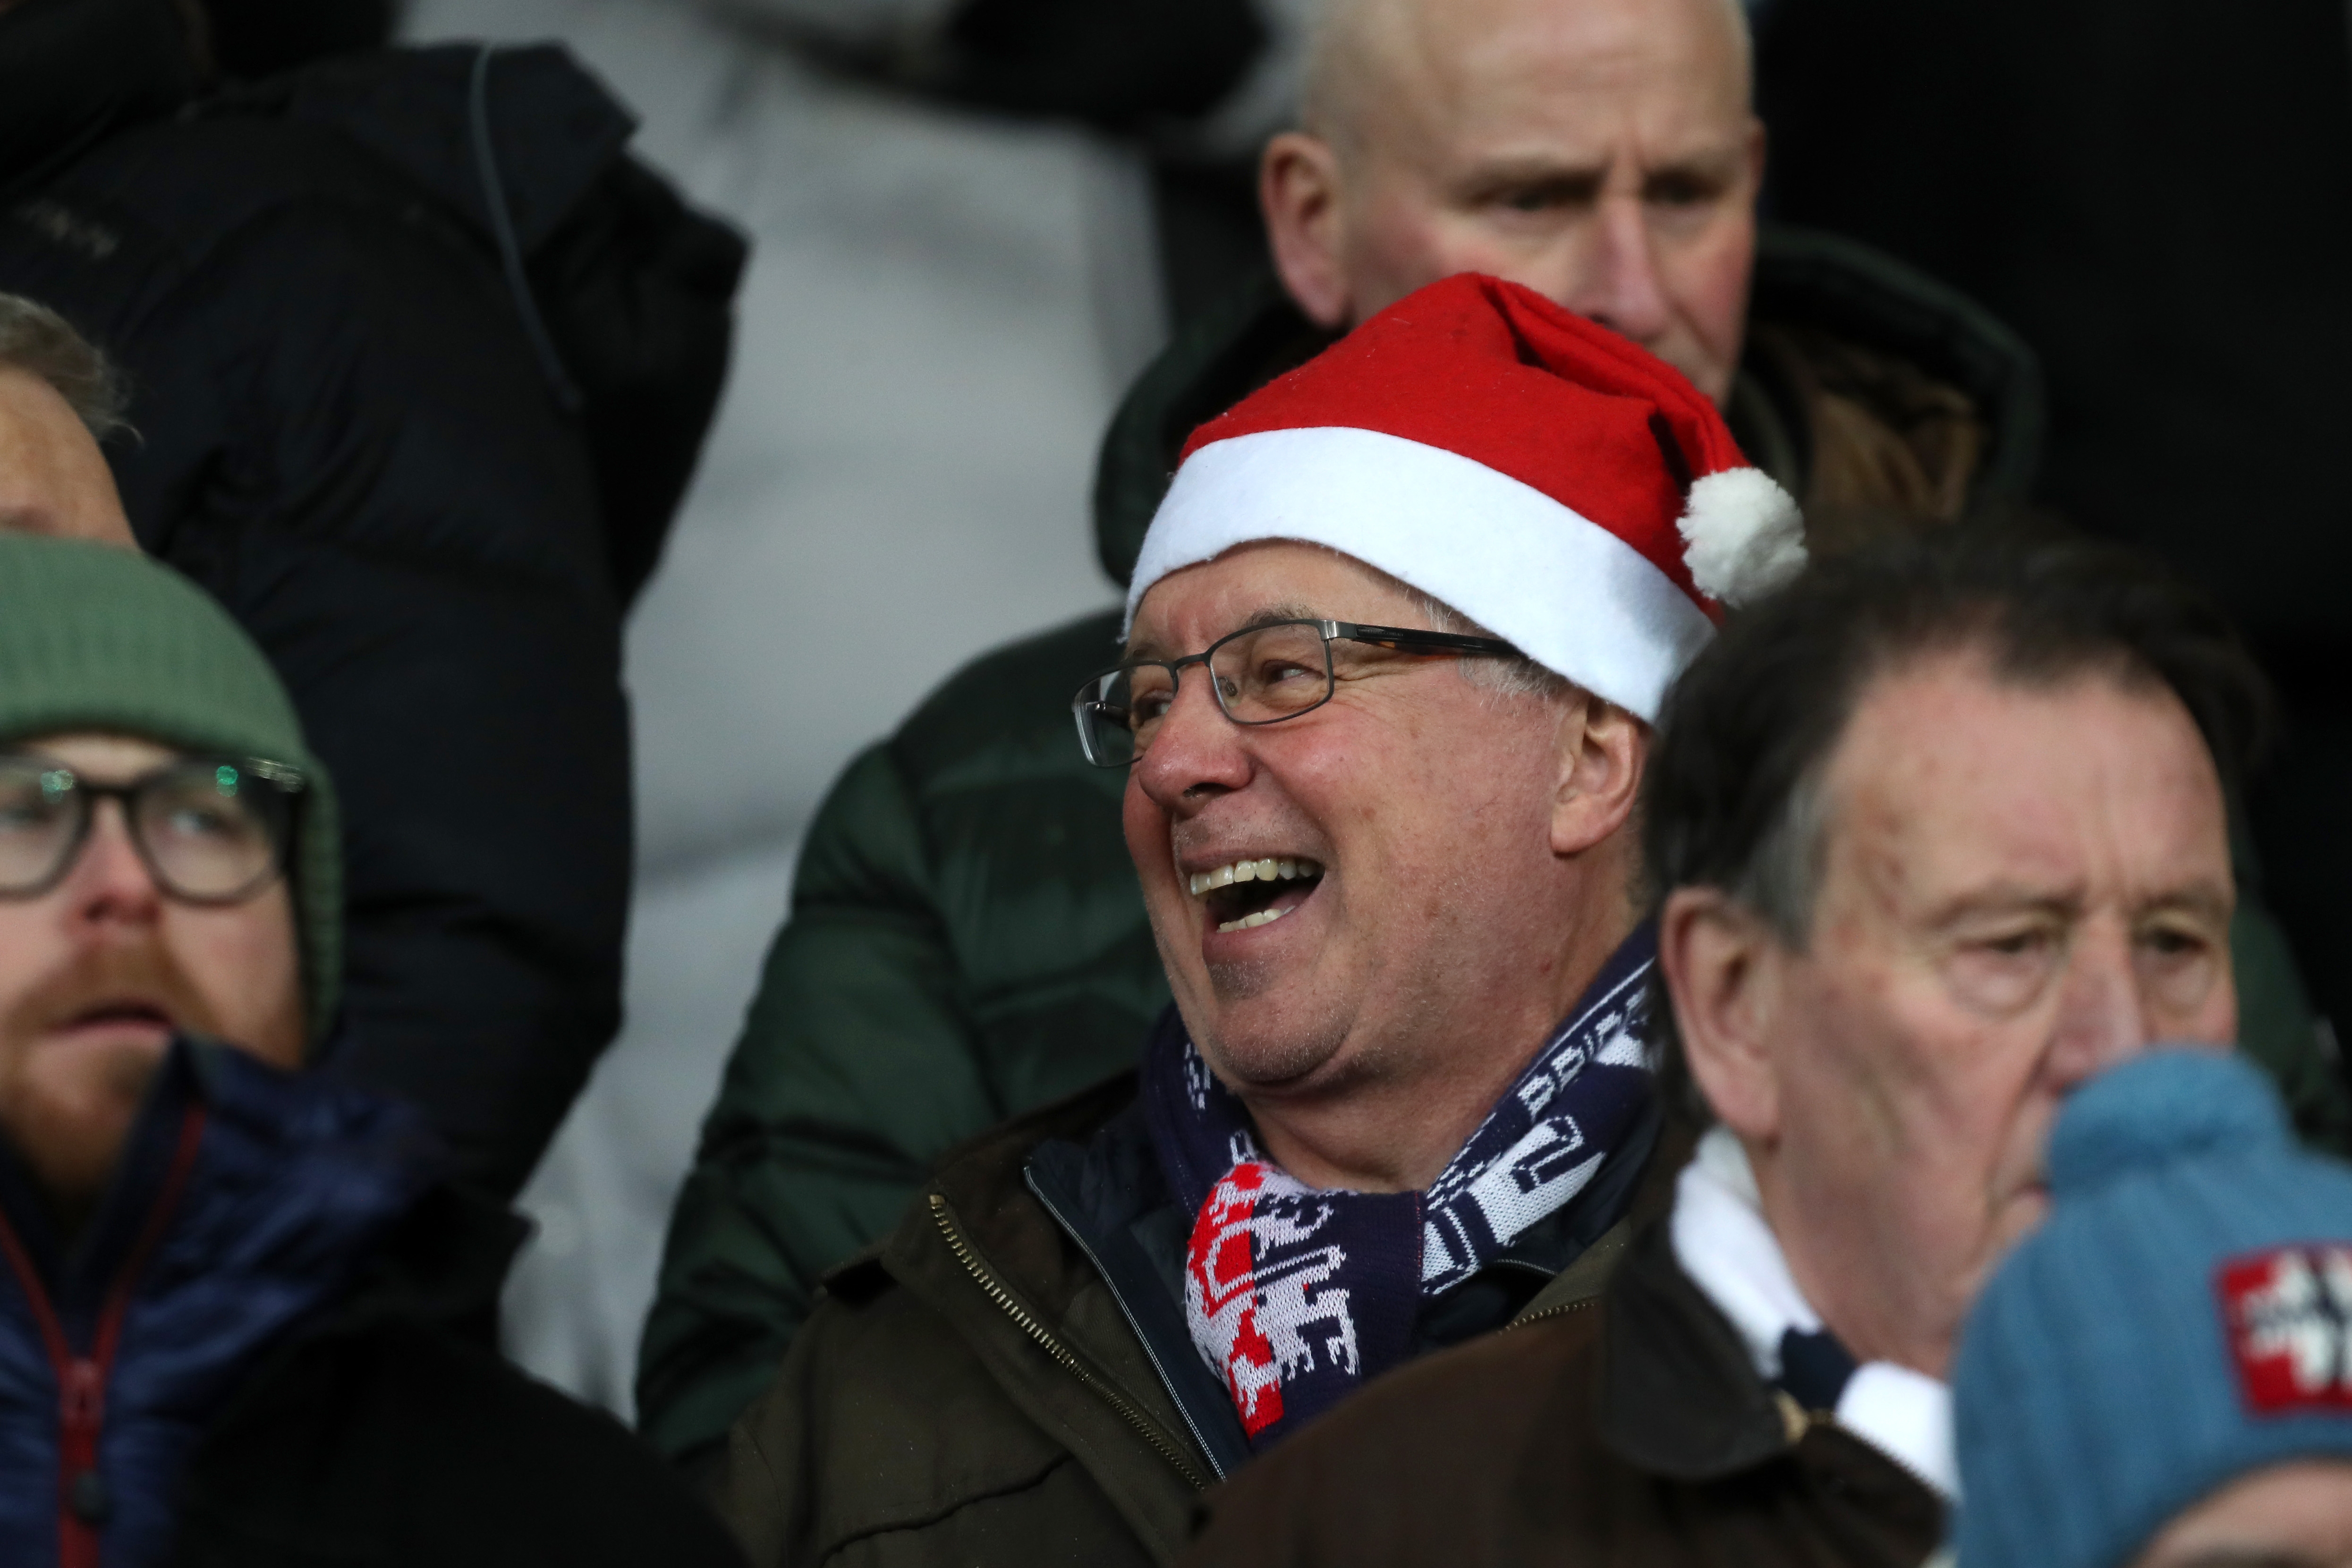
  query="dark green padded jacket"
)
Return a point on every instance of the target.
[{"x": 966, "y": 940}]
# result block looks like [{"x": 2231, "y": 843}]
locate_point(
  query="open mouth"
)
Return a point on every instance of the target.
[{"x": 1245, "y": 894}]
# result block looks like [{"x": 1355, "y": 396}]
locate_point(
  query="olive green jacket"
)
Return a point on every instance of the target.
[
  {"x": 972, "y": 1393},
  {"x": 966, "y": 939}
]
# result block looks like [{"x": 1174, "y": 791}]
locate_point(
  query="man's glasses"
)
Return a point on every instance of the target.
[
  {"x": 1261, "y": 674},
  {"x": 209, "y": 832}
]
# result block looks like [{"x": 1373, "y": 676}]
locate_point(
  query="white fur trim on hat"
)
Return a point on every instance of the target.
[
  {"x": 1743, "y": 536},
  {"x": 1575, "y": 597}
]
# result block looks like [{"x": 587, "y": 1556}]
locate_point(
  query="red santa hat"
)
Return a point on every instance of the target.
[{"x": 1542, "y": 475}]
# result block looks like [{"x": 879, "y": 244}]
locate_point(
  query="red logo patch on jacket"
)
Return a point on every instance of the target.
[{"x": 2288, "y": 1312}]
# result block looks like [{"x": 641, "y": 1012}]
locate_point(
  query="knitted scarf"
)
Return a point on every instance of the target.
[{"x": 1294, "y": 1295}]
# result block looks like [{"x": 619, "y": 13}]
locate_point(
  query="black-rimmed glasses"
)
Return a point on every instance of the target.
[
  {"x": 1261, "y": 674},
  {"x": 209, "y": 832}
]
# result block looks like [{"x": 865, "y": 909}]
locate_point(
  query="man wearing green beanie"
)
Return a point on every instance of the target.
[{"x": 240, "y": 1316}]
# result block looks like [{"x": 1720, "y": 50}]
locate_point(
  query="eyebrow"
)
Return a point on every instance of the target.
[
  {"x": 2202, "y": 898},
  {"x": 1489, "y": 180},
  {"x": 1271, "y": 615}
]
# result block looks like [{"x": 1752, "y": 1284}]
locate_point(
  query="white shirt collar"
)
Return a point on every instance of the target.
[{"x": 1723, "y": 1243}]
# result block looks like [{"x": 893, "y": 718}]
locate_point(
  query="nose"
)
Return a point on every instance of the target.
[
  {"x": 109, "y": 884},
  {"x": 1196, "y": 753},
  {"x": 1623, "y": 290},
  {"x": 2104, "y": 1017}
]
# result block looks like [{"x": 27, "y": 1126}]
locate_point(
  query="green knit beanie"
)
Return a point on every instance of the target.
[{"x": 96, "y": 637}]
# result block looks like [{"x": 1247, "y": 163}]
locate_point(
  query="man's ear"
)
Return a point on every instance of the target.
[
  {"x": 1723, "y": 971},
  {"x": 1601, "y": 751},
  {"x": 1299, "y": 191}
]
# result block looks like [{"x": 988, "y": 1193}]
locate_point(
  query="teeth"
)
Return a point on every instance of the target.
[
  {"x": 1262, "y": 917},
  {"x": 1274, "y": 868}
]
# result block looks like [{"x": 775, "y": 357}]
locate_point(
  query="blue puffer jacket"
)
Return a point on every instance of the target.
[{"x": 245, "y": 1206}]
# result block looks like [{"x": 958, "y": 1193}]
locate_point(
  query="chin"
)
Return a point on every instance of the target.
[{"x": 1254, "y": 1046}]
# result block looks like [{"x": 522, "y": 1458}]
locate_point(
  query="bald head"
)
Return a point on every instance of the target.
[
  {"x": 1601, "y": 151},
  {"x": 1378, "y": 55}
]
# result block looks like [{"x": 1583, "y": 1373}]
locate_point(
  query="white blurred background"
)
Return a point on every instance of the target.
[{"x": 940, "y": 312}]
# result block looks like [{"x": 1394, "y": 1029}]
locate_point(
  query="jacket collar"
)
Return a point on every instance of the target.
[
  {"x": 1679, "y": 1395},
  {"x": 1119, "y": 1200},
  {"x": 74, "y": 71},
  {"x": 288, "y": 1172},
  {"x": 245, "y": 1206},
  {"x": 1725, "y": 1246}
]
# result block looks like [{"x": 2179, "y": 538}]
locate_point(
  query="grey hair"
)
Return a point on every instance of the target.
[
  {"x": 1782, "y": 877},
  {"x": 38, "y": 341},
  {"x": 1515, "y": 677}
]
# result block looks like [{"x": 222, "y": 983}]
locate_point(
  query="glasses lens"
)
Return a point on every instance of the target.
[
  {"x": 38, "y": 821},
  {"x": 1119, "y": 712},
  {"x": 211, "y": 832},
  {"x": 1272, "y": 671}
]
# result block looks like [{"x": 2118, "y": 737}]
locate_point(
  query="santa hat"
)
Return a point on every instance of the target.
[{"x": 1542, "y": 475}]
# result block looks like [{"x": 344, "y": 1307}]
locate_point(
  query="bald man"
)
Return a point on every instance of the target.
[
  {"x": 966, "y": 940},
  {"x": 1602, "y": 153}
]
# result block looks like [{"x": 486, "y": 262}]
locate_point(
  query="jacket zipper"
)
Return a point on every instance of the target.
[
  {"x": 1140, "y": 1337},
  {"x": 1560, "y": 1310},
  {"x": 81, "y": 1379},
  {"x": 1064, "y": 1357}
]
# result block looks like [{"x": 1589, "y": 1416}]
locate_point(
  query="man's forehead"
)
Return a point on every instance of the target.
[
  {"x": 53, "y": 478},
  {"x": 1153, "y": 643},
  {"x": 1489, "y": 71},
  {"x": 1951, "y": 784},
  {"x": 1262, "y": 581},
  {"x": 99, "y": 749}
]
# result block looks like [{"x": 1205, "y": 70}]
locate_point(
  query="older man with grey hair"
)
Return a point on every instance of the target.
[
  {"x": 965, "y": 939},
  {"x": 1943, "y": 831},
  {"x": 1395, "y": 642}
]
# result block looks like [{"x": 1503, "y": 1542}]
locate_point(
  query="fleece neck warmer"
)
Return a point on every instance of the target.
[{"x": 1296, "y": 1295}]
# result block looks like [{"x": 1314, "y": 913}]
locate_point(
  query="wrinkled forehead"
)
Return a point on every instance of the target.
[
  {"x": 1385, "y": 70},
  {"x": 1951, "y": 783}
]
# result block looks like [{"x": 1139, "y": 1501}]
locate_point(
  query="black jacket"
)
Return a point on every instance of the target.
[
  {"x": 394, "y": 1434},
  {"x": 271, "y": 1346},
  {"x": 345, "y": 433}
]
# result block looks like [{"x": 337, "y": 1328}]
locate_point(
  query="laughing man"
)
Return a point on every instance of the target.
[{"x": 1394, "y": 647}]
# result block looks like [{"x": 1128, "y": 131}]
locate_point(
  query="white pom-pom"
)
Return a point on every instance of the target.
[{"x": 1742, "y": 536}]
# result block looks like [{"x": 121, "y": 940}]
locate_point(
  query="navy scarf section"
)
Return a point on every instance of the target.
[{"x": 1296, "y": 1295}]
